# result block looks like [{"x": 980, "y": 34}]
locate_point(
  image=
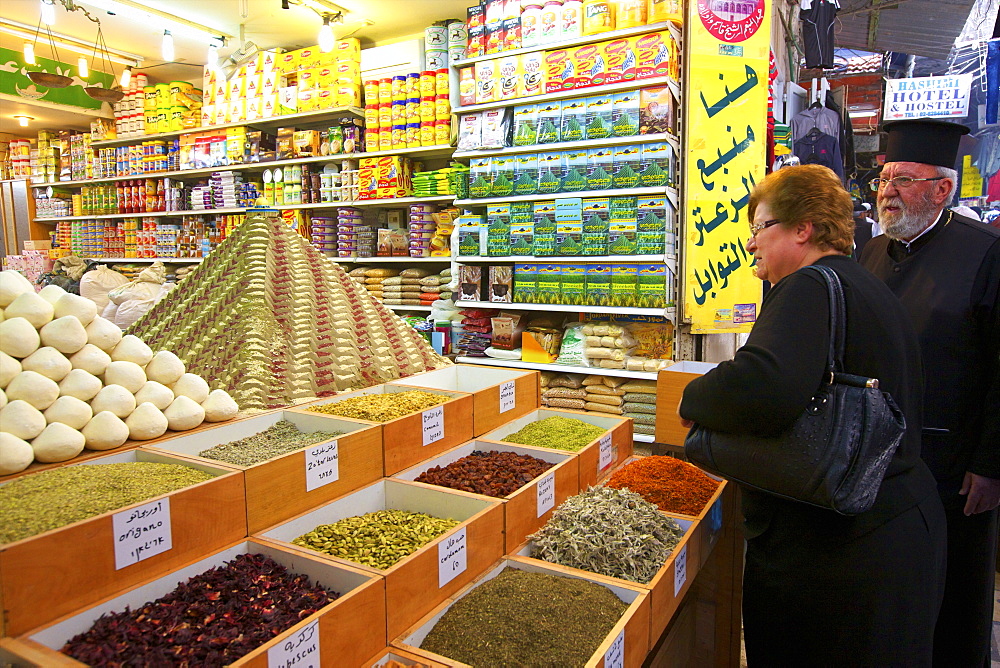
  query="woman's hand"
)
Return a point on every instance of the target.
[{"x": 687, "y": 424}]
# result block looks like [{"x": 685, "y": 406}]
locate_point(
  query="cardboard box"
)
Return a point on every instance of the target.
[
  {"x": 652, "y": 55},
  {"x": 420, "y": 581},
  {"x": 619, "y": 59},
  {"x": 411, "y": 438},
  {"x": 347, "y": 631},
  {"x": 559, "y": 72},
  {"x": 42, "y": 578},
  {"x": 530, "y": 506},
  {"x": 626, "y": 645},
  {"x": 283, "y": 486},
  {"x": 599, "y": 457},
  {"x": 487, "y": 81},
  {"x": 37, "y": 244},
  {"x": 532, "y": 74},
  {"x": 501, "y": 284}
]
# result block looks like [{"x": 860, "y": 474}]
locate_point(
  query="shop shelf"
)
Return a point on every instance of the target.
[
  {"x": 577, "y": 92},
  {"x": 613, "y": 192},
  {"x": 584, "y": 308},
  {"x": 568, "y": 145},
  {"x": 558, "y": 368}
]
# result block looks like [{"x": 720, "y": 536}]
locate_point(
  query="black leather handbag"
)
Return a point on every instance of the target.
[{"x": 834, "y": 455}]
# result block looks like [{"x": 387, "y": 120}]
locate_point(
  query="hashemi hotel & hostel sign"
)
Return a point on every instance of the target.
[{"x": 927, "y": 97}]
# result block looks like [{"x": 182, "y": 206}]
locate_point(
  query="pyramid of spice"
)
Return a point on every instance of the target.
[
  {"x": 272, "y": 320},
  {"x": 674, "y": 486}
]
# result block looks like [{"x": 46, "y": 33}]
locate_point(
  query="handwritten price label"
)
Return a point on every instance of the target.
[
  {"x": 322, "y": 465},
  {"x": 507, "y": 398},
  {"x": 680, "y": 569},
  {"x": 433, "y": 424},
  {"x": 607, "y": 452},
  {"x": 301, "y": 650},
  {"x": 615, "y": 656},
  {"x": 451, "y": 557},
  {"x": 546, "y": 493},
  {"x": 142, "y": 532}
]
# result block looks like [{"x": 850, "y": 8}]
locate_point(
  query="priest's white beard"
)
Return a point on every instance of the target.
[{"x": 911, "y": 220}]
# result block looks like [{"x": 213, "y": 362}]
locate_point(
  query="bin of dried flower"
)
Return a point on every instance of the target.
[
  {"x": 291, "y": 461},
  {"x": 241, "y": 606},
  {"x": 56, "y": 520},
  {"x": 569, "y": 431},
  {"x": 413, "y": 557},
  {"x": 520, "y": 609},
  {"x": 416, "y": 423},
  {"x": 529, "y": 491},
  {"x": 498, "y": 395}
]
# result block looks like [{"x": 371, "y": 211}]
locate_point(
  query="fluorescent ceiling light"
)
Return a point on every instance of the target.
[
  {"x": 29, "y": 53},
  {"x": 48, "y": 12},
  {"x": 862, "y": 114},
  {"x": 81, "y": 67},
  {"x": 326, "y": 41},
  {"x": 23, "y": 120},
  {"x": 136, "y": 11},
  {"x": 73, "y": 44},
  {"x": 167, "y": 48}
]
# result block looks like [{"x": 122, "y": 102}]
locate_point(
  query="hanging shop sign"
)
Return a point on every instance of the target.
[
  {"x": 726, "y": 135},
  {"x": 972, "y": 180},
  {"x": 14, "y": 81},
  {"x": 927, "y": 97}
]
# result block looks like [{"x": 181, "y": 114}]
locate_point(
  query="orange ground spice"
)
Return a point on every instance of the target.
[{"x": 673, "y": 485}]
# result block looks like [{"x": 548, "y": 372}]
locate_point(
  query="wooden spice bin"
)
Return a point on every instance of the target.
[
  {"x": 668, "y": 586},
  {"x": 670, "y": 384},
  {"x": 610, "y": 449},
  {"x": 350, "y": 628},
  {"x": 521, "y": 508},
  {"x": 498, "y": 395},
  {"x": 633, "y": 625},
  {"x": 56, "y": 572},
  {"x": 278, "y": 488},
  {"x": 412, "y": 585},
  {"x": 403, "y": 438},
  {"x": 400, "y": 656}
]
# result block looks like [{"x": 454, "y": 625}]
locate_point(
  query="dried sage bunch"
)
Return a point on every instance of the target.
[{"x": 613, "y": 532}]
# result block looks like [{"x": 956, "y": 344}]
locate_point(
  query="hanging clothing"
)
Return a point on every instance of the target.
[
  {"x": 820, "y": 149},
  {"x": 825, "y": 120},
  {"x": 845, "y": 137},
  {"x": 817, "y": 32}
]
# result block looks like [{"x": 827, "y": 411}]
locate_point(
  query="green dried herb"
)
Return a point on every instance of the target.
[
  {"x": 51, "y": 499},
  {"x": 558, "y": 432},
  {"x": 377, "y": 539},
  {"x": 282, "y": 438},
  {"x": 613, "y": 532},
  {"x": 520, "y": 618}
]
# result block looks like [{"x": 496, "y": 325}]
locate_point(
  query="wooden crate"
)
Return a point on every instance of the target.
[
  {"x": 403, "y": 438},
  {"x": 498, "y": 395},
  {"x": 413, "y": 585},
  {"x": 53, "y": 573},
  {"x": 670, "y": 384},
  {"x": 521, "y": 508},
  {"x": 350, "y": 628},
  {"x": 599, "y": 458},
  {"x": 668, "y": 586},
  {"x": 278, "y": 488},
  {"x": 633, "y": 626},
  {"x": 400, "y": 656}
]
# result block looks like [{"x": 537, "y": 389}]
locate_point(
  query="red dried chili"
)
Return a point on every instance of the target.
[{"x": 673, "y": 485}]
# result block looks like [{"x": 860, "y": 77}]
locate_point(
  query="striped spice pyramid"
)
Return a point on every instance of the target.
[{"x": 270, "y": 319}]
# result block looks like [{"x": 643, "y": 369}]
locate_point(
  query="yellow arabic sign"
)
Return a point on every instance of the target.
[
  {"x": 972, "y": 180},
  {"x": 726, "y": 136}
]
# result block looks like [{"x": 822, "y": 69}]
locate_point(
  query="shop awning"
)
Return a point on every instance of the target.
[{"x": 918, "y": 27}]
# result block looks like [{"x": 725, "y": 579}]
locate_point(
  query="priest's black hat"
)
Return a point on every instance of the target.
[{"x": 926, "y": 140}]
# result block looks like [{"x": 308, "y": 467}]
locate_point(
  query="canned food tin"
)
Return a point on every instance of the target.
[{"x": 428, "y": 83}]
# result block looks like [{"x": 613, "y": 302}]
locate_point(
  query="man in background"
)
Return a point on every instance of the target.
[{"x": 945, "y": 268}]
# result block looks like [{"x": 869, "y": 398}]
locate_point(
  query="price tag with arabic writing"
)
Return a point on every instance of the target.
[
  {"x": 452, "y": 557},
  {"x": 507, "y": 397},
  {"x": 433, "y": 425},
  {"x": 607, "y": 452},
  {"x": 615, "y": 656},
  {"x": 322, "y": 465},
  {"x": 142, "y": 532},
  {"x": 546, "y": 490},
  {"x": 680, "y": 569},
  {"x": 301, "y": 650}
]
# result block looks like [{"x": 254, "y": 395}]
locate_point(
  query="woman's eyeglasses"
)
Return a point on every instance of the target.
[
  {"x": 757, "y": 227},
  {"x": 899, "y": 183}
]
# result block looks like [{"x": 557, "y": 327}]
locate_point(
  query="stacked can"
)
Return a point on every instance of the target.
[
  {"x": 421, "y": 229},
  {"x": 350, "y": 231},
  {"x": 408, "y": 111},
  {"x": 324, "y": 233}
]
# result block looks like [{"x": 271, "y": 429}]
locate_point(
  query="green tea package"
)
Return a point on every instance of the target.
[
  {"x": 574, "y": 284},
  {"x": 651, "y": 285},
  {"x": 655, "y": 226},
  {"x": 599, "y": 284},
  {"x": 600, "y": 167},
  {"x": 574, "y": 120},
  {"x": 498, "y": 230},
  {"x": 525, "y": 125},
  {"x": 627, "y": 167},
  {"x": 625, "y": 114},
  {"x": 569, "y": 237},
  {"x": 525, "y": 283},
  {"x": 600, "y": 116},
  {"x": 657, "y": 110},
  {"x": 548, "y": 284},
  {"x": 480, "y": 177},
  {"x": 503, "y": 176},
  {"x": 549, "y": 116},
  {"x": 622, "y": 237},
  {"x": 656, "y": 165},
  {"x": 551, "y": 170},
  {"x": 575, "y": 178},
  {"x": 470, "y": 132},
  {"x": 471, "y": 235},
  {"x": 623, "y": 284},
  {"x": 522, "y": 229},
  {"x": 596, "y": 217},
  {"x": 525, "y": 174},
  {"x": 544, "y": 214}
]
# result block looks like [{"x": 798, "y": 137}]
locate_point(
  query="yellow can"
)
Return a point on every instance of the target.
[
  {"x": 162, "y": 95},
  {"x": 427, "y": 133},
  {"x": 385, "y": 116},
  {"x": 413, "y": 110},
  {"x": 598, "y": 16},
  {"x": 427, "y": 109},
  {"x": 442, "y": 108},
  {"x": 665, "y": 10},
  {"x": 176, "y": 120},
  {"x": 385, "y": 139},
  {"x": 149, "y": 97},
  {"x": 442, "y": 132},
  {"x": 371, "y": 118}
]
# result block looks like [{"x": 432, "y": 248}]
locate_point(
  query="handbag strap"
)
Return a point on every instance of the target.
[{"x": 838, "y": 317}]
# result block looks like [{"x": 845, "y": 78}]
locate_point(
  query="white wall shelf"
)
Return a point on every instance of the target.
[
  {"x": 562, "y": 259},
  {"x": 569, "y": 145},
  {"x": 559, "y": 368},
  {"x": 577, "y": 92},
  {"x": 667, "y": 191},
  {"x": 568, "y": 308}
]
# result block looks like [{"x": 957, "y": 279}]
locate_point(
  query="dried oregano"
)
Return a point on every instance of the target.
[
  {"x": 282, "y": 438},
  {"x": 608, "y": 531}
]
